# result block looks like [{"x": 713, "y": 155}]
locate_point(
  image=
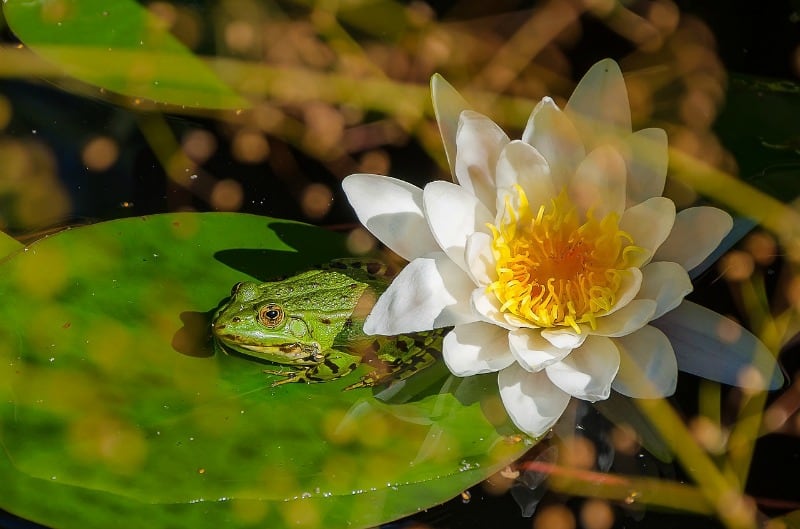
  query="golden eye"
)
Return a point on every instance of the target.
[{"x": 271, "y": 315}]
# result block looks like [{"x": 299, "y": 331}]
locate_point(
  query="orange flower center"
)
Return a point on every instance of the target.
[{"x": 554, "y": 269}]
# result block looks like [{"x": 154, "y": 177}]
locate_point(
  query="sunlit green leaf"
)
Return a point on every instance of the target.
[
  {"x": 116, "y": 408},
  {"x": 119, "y": 46},
  {"x": 8, "y": 244}
]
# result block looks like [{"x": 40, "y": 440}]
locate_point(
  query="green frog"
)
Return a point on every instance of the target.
[{"x": 313, "y": 322}]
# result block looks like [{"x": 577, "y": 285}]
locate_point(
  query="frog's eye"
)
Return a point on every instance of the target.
[{"x": 271, "y": 315}]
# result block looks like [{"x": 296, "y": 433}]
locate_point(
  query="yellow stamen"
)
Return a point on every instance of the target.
[{"x": 554, "y": 270}]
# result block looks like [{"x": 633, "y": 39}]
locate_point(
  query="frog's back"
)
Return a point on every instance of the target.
[
  {"x": 373, "y": 273},
  {"x": 338, "y": 295}
]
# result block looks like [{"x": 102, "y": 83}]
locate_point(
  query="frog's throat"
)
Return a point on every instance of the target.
[{"x": 285, "y": 353}]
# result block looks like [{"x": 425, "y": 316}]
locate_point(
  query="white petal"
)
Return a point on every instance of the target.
[
  {"x": 533, "y": 352},
  {"x": 453, "y": 214},
  {"x": 649, "y": 224},
  {"x": 741, "y": 225},
  {"x": 599, "y": 182},
  {"x": 391, "y": 210},
  {"x": 487, "y": 306},
  {"x": 556, "y": 138},
  {"x": 588, "y": 371},
  {"x": 666, "y": 283},
  {"x": 647, "y": 158},
  {"x": 480, "y": 260},
  {"x": 599, "y": 105},
  {"x": 564, "y": 337},
  {"x": 520, "y": 164},
  {"x": 629, "y": 318},
  {"x": 712, "y": 346},
  {"x": 647, "y": 365},
  {"x": 478, "y": 144},
  {"x": 447, "y": 106},
  {"x": 628, "y": 289},
  {"x": 531, "y": 400},
  {"x": 697, "y": 232},
  {"x": 474, "y": 348},
  {"x": 431, "y": 292}
]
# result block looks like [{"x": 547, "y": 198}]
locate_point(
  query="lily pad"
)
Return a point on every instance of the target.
[
  {"x": 8, "y": 244},
  {"x": 116, "y": 408},
  {"x": 119, "y": 46}
]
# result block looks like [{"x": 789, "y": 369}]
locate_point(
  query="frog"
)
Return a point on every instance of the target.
[{"x": 312, "y": 324}]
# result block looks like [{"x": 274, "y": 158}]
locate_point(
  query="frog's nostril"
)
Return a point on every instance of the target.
[{"x": 236, "y": 319}]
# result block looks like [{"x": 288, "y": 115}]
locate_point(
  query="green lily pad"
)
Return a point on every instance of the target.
[
  {"x": 119, "y": 46},
  {"x": 8, "y": 244},
  {"x": 758, "y": 124},
  {"x": 117, "y": 409}
]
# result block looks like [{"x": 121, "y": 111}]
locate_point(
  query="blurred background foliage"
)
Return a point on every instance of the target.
[{"x": 308, "y": 92}]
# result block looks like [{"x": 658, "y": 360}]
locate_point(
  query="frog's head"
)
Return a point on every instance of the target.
[{"x": 289, "y": 322}]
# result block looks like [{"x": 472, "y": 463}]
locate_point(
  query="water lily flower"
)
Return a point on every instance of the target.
[{"x": 555, "y": 258}]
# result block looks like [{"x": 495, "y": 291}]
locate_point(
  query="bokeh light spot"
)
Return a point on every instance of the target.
[
  {"x": 240, "y": 36},
  {"x": 664, "y": 15},
  {"x": 325, "y": 127},
  {"x": 360, "y": 242},
  {"x": 45, "y": 274},
  {"x": 750, "y": 380},
  {"x": 249, "y": 511},
  {"x": 227, "y": 195},
  {"x": 373, "y": 429},
  {"x": 554, "y": 517},
  {"x": 267, "y": 117},
  {"x": 100, "y": 153},
  {"x": 56, "y": 11},
  {"x": 165, "y": 11},
  {"x": 338, "y": 427},
  {"x": 793, "y": 292},
  {"x": 33, "y": 196},
  {"x": 762, "y": 247},
  {"x": 578, "y": 452},
  {"x": 375, "y": 162},
  {"x": 625, "y": 439},
  {"x": 596, "y": 514},
  {"x": 737, "y": 266},
  {"x": 199, "y": 145},
  {"x": 708, "y": 434},
  {"x": 316, "y": 200},
  {"x": 300, "y": 514},
  {"x": 250, "y": 146},
  {"x": 97, "y": 436},
  {"x": 728, "y": 331}
]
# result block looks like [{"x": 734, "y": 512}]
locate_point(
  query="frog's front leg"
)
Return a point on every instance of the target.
[{"x": 335, "y": 364}]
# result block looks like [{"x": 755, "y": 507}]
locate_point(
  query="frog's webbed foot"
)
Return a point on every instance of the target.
[
  {"x": 335, "y": 365},
  {"x": 307, "y": 375},
  {"x": 289, "y": 376}
]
